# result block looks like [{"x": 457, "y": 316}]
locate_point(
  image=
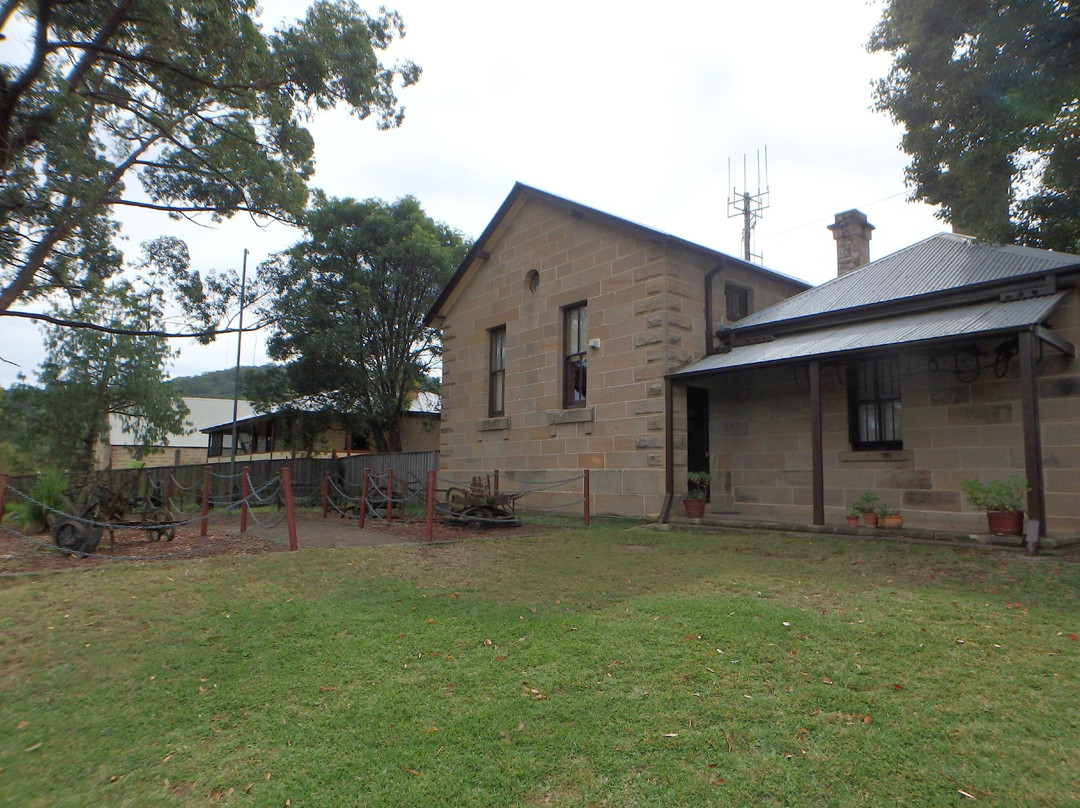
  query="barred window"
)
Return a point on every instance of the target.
[
  {"x": 576, "y": 345},
  {"x": 497, "y": 370},
  {"x": 874, "y": 404}
]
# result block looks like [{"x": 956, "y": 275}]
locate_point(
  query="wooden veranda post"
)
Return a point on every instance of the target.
[
  {"x": 290, "y": 514},
  {"x": 817, "y": 467},
  {"x": 324, "y": 491},
  {"x": 587, "y": 497},
  {"x": 1033, "y": 460},
  {"x": 245, "y": 492},
  {"x": 430, "y": 526},
  {"x": 205, "y": 500}
]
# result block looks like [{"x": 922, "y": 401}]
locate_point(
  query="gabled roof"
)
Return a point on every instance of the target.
[
  {"x": 939, "y": 263},
  {"x": 521, "y": 191}
]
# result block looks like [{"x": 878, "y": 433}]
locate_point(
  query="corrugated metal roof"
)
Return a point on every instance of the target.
[
  {"x": 941, "y": 262},
  {"x": 958, "y": 321},
  {"x": 421, "y": 403}
]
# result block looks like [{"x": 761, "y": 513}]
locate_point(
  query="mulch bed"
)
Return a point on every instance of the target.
[{"x": 36, "y": 553}]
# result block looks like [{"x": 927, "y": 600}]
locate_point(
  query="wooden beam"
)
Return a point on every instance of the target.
[
  {"x": 817, "y": 465},
  {"x": 1029, "y": 407},
  {"x": 669, "y": 451},
  {"x": 1050, "y": 338}
]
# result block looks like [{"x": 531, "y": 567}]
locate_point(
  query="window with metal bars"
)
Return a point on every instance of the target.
[
  {"x": 874, "y": 410},
  {"x": 576, "y": 345},
  {"x": 497, "y": 370}
]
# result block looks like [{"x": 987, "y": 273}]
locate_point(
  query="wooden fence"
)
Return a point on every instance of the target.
[{"x": 307, "y": 475}]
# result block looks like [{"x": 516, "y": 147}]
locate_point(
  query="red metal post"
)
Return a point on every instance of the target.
[
  {"x": 389, "y": 495},
  {"x": 428, "y": 531},
  {"x": 363, "y": 498},
  {"x": 325, "y": 491},
  {"x": 290, "y": 514},
  {"x": 245, "y": 492},
  {"x": 205, "y": 500},
  {"x": 587, "y": 497},
  {"x": 3, "y": 495}
]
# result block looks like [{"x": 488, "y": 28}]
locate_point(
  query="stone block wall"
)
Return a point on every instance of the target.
[{"x": 645, "y": 304}]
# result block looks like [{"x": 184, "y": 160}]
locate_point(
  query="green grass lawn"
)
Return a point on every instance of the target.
[{"x": 613, "y": 666}]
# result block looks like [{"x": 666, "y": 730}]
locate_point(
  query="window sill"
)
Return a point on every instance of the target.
[
  {"x": 877, "y": 456},
  {"x": 577, "y": 415},
  {"x": 493, "y": 424}
]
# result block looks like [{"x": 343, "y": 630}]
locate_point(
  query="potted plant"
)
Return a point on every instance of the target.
[
  {"x": 866, "y": 505},
  {"x": 697, "y": 491},
  {"x": 853, "y": 515},
  {"x": 1003, "y": 501},
  {"x": 889, "y": 518}
]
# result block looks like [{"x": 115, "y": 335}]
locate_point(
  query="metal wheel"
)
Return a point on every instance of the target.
[
  {"x": 165, "y": 530},
  {"x": 72, "y": 537}
]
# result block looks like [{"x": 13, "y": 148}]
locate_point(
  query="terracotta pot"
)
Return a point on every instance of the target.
[
  {"x": 869, "y": 519},
  {"x": 695, "y": 508},
  {"x": 1005, "y": 523},
  {"x": 892, "y": 521},
  {"x": 853, "y": 521}
]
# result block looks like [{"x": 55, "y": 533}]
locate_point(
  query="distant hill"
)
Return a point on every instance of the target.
[{"x": 215, "y": 384}]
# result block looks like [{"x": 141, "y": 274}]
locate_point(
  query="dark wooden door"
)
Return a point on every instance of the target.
[{"x": 697, "y": 429}]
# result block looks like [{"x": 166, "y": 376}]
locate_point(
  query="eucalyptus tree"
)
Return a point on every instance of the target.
[
  {"x": 90, "y": 376},
  {"x": 186, "y": 107},
  {"x": 988, "y": 92},
  {"x": 348, "y": 306}
]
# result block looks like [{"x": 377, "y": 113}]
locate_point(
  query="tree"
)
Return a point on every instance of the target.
[
  {"x": 988, "y": 92},
  {"x": 89, "y": 375},
  {"x": 348, "y": 305},
  {"x": 180, "y": 106}
]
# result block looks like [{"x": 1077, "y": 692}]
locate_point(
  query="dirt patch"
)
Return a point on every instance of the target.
[{"x": 313, "y": 531}]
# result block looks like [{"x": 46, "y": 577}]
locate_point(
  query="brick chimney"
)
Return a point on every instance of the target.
[{"x": 852, "y": 233}]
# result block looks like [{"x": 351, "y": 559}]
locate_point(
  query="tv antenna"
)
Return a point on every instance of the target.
[{"x": 749, "y": 205}]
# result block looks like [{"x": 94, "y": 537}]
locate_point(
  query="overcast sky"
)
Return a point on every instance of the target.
[{"x": 635, "y": 108}]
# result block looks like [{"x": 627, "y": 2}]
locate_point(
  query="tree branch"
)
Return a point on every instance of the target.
[
  {"x": 200, "y": 209},
  {"x": 133, "y": 332}
]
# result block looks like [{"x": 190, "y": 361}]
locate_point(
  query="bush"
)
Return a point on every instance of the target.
[{"x": 49, "y": 491}]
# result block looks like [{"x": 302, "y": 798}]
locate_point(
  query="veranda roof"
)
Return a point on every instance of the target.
[{"x": 978, "y": 319}]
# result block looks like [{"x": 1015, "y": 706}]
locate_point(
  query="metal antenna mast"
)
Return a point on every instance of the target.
[{"x": 747, "y": 205}]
